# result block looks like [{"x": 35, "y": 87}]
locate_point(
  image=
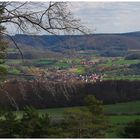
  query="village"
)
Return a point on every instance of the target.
[{"x": 64, "y": 76}]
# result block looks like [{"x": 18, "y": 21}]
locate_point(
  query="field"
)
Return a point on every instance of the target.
[
  {"x": 120, "y": 61},
  {"x": 115, "y": 108},
  {"x": 114, "y": 68},
  {"x": 117, "y": 121},
  {"x": 129, "y": 107}
]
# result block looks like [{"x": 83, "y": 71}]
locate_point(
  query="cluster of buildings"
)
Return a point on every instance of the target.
[
  {"x": 88, "y": 63},
  {"x": 69, "y": 77},
  {"x": 91, "y": 78},
  {"x": 63, "y": 76}
]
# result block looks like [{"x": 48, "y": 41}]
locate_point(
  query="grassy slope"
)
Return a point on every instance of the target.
[
  {"x": 119, "y": 62},
  {"x": 129, "y": 107},
  {"x": 116, "y": 121}
]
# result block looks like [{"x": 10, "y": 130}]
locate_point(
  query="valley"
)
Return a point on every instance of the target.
[
  {"x": 110, "y": 56},
  {"x": 57, "y": 73}
]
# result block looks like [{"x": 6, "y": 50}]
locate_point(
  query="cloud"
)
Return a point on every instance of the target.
[
  {"x": 106, "y": 17},
  {"x": 109, "y": 16}
]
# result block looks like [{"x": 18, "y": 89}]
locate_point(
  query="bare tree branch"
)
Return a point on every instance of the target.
[
  {"x": 16, "y": 45},
  {"x": 54, "y": 17}
]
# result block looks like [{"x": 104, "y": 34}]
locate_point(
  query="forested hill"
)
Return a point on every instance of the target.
[{"x": 107, "y": 44}]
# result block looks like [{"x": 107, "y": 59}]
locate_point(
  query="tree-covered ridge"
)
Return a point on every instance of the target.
[{"x": 106, "y": 44}]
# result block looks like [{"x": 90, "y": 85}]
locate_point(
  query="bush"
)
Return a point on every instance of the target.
[{"x": 131, "y": 130}]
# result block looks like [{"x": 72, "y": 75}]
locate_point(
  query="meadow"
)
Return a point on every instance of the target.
[
  {"x": 117, "y": 121},
  {"x": 118, "y": 108},
  {"x": 120, "y": 61},
  {"x": 115, "y": 68},
  {"x": 122, "y": 113}
]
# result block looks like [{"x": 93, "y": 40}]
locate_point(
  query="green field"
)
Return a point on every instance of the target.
[
  {"x": 116, "y": 68},
  {"x": 80, "y": 70},
  {"x": 62, "y": 65},
  {"x": 119, "y": 109},
  {"x": 122, "y": 119},
  {"x": 129, "y": 107},
  {"x": 116, "y": 121},
  {"x": 45, "y": 61},
  {"x": 13, "y": 61},
  {"x": 120, "y": 61}
]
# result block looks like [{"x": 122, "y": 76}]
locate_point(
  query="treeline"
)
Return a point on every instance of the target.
[{"x": 43, "y": 94}]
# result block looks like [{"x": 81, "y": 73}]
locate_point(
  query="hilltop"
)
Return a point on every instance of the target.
[{"x": 103, "y": 44}]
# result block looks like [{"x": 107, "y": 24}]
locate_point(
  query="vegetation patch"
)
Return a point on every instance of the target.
[
  {"x": 45, "y": 62},
  {"x": 79, "y": 70}
]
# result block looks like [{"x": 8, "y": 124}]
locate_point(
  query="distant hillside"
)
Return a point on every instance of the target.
[{"x": 104, "y": 44}]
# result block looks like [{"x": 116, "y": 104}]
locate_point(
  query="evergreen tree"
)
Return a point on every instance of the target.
[
  {"x": 99, "y": 121},
  {"x": 88, "y": 123},
  {"x": 77, "y": 124},
  {"x": 32, "y": 125},
  {"x": 9, "y": 125},
  {"x": 3, "y": 46}
]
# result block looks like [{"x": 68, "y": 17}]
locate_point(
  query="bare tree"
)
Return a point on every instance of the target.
[
  {"x": 53, "y": 17},
  {"x": 31, "y": 17}
]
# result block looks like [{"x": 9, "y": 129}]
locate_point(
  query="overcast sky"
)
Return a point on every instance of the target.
[{"x": 107, "y": 17}]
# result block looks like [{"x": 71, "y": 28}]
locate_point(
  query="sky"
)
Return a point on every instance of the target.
[{"x": 107, "y": 17}]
